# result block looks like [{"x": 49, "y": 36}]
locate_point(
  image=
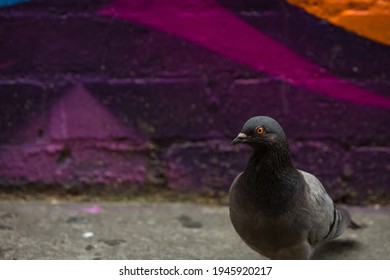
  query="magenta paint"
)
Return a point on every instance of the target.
[{"x": 222, "y": 32}]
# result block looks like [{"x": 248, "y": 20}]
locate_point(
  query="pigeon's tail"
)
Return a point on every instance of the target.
[
  {"x": 353, "y": 225},
  {"x": 347, "y": 218}
]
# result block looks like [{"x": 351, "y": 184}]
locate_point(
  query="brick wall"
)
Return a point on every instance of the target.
[{"x": 138, "y": 93}]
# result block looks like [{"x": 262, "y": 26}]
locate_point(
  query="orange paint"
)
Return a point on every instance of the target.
[{"x": 368, "y": 18}]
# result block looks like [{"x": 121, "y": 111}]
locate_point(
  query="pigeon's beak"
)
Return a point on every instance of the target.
[{"x": 241, "y": 138}]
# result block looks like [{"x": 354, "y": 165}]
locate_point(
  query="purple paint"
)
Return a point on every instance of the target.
[
  {"x": 73, "y": 164},
  {"x": 221, "y": 31},
  {"x": 77, "y": 147},
  {"x": 77, "y": 115}
]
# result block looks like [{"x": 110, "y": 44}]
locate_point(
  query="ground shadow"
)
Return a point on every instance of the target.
[{"x": 337, "y": 249}]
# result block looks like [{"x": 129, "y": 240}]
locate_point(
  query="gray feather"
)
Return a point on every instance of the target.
[{"x": 279, "y": 211}]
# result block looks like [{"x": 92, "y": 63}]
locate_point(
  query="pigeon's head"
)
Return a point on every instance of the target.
[{"x": 261, "y": 132}]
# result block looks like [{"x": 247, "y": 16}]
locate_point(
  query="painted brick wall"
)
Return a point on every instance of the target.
[
  {"x": 137, "y": 93},
  {"x": 369, "y": 18}
]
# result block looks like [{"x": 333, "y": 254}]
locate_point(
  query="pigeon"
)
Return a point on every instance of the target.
[{"x": 277, "y": 210}]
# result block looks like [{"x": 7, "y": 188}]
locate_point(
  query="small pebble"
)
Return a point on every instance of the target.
[{"x": 88, "y": 234}]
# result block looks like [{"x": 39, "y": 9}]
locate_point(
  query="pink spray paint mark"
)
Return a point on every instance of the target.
[
  {"x": 71, "y": 120},
  {"x": 212, "y": 26},
  {"x": 93, "y": 209}
]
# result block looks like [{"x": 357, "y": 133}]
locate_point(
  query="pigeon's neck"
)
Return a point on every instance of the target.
[
  {"x": 272, "y": 158},
  {"x": 272, "y": 180},
  {"x": 271, "y": 161}
]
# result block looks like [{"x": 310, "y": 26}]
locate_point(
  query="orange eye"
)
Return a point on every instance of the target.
[{"x": 259, "y": 130}]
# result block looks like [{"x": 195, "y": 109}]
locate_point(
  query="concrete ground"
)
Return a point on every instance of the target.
[{"x": 69, "y": 230}]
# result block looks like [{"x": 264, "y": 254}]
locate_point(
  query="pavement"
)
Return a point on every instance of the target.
[{"x": 69, "y": 230}]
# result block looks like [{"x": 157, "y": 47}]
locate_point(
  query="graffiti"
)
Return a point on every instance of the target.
[
  {"x": 222, "y": 32},
  {"x": 366, "y": 18},
  {"x": 151, "y": 93}
]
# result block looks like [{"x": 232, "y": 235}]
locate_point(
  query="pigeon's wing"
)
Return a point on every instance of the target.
[
  {"x": 235, "y": 180},
  {"x": 327, "y": 220}
]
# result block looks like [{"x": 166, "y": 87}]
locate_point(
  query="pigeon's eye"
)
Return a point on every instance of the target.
[{"x": 259, "y": 130}]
